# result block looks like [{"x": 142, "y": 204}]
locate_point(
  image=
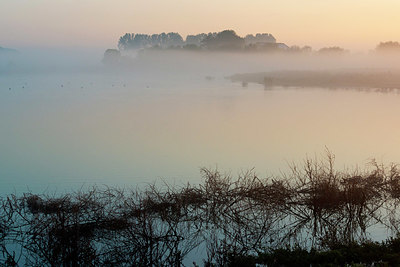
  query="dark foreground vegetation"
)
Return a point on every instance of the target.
[
  {"x": 366, "y": 254},
  {"x": 356, "y": 79},
  {"x": 312, "y": 215}
]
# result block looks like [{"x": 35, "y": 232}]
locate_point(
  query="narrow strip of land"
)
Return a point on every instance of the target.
[{"x": 368, "y": 79}]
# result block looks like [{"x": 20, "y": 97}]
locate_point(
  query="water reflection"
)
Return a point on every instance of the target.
[{"x": 62, "y": 131}]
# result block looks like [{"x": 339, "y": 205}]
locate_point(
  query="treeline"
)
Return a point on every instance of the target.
[
  {"x": 389, "y": 46},
  {"x": 312, "y": 208},
  {"x": 137, "y": 41},
  {"x": 226, "y": 39}
]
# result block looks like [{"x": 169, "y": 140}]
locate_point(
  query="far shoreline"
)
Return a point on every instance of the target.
[{"x": 354, "y": 78}]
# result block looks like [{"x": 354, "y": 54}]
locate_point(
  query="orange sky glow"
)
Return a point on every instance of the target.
[{"x": 358, "y": 25}]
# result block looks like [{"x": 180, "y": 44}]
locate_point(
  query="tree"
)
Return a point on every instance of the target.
[
  {"x": 298, "y": 49},
  {"x": 260, "y": 38},
  {"x": 332, "y": 50},
  {"x": 139, "y": 41},
  {"x": 125, "y": 41},
  {"x": 306, "y": 49},
  {"x": 174, "y": 39},
  {"x": 227, "y": 39},
  {"x": 195, "y": 39},
  {"x": 389, "y": 46},
  {"x": 111, "y": 56}
]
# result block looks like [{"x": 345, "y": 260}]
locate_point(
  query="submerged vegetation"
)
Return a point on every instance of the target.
[{"x": 313, "y": 214}]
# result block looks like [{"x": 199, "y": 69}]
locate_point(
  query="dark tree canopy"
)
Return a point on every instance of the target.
[
  {"x": 137, "y": 41},
  {"x": 195, "y": 39},
  {"x": 227, "y": 39}
]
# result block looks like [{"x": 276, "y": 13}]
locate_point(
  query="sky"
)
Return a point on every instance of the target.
[{"x": 353, "y": 24}]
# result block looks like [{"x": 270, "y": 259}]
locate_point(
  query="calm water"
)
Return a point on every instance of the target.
[{"x": 62, "y": 132}]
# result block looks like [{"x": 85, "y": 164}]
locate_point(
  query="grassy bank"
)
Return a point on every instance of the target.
[
  {"x": 365, "y": 254},
  {"x": 359, "y": 79}
]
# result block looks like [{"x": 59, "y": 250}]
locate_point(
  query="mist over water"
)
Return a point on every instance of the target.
[
  {"x": 67, "y": 120},
  {"x": 172, "y": 133},
  {"x": 30, "y": 60}
]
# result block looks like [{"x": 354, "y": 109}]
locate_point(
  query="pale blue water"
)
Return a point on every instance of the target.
[{"x": 59, "y": 132}]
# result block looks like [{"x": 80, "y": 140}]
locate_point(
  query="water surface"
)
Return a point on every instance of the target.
[{"x": 65, "y": 131}]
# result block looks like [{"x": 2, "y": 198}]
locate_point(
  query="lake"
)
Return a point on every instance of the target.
[{"x": 61, "y": 132}]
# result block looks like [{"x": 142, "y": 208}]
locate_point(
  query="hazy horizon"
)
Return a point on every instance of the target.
[
  {"x": 356, "y": 25},
  {"x": 121, "y": 136}
]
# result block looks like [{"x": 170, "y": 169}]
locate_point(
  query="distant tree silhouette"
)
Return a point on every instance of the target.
[
  {"x": 195, "y": 39},
  {"x": 259, "y": 38},
  {"x": 124, "y": 41},
  {"x": 227, "y": 39},
  {"x": 138, "y": 41},
  {"x": 208, "y": 38},
  {"x": 332, "y": 50},
  {"x": 111, "y": 56},
  {"x": 298, "y": 49},
  {"x": 306, "y": 49},
  {"x": 173, "y": 39},
  {"x": 388, "y": 47}
]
